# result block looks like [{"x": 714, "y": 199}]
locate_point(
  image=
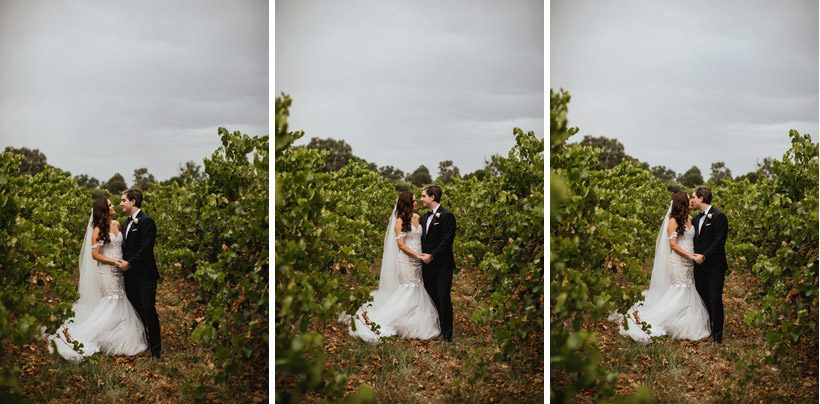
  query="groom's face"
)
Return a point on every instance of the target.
[
  {"x": 126, "y": 204},
  {"x": 426, "y": 199},
  {"x": 695, "y": 201}
]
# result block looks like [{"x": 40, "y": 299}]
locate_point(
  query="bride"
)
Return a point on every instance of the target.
[
  {"x": 104, "y": 320},
  {"x": 400, "y": 306},
  {"x": 672, "y": 305}
]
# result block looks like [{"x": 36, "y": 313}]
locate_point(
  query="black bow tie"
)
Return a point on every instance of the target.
[{"x": 130, "y": 218}]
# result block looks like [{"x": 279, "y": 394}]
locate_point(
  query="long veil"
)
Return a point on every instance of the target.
[
  {"x": 388, "y": 278},
  {"x": 661, "y": 280},
  {"x": 89, "y": 286}
]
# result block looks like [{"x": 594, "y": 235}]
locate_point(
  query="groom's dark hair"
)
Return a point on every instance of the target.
[
  {"x": 704, "y": 193},
  {"x": 434, "y": 191},
  {"x": 134, "y": 195}
]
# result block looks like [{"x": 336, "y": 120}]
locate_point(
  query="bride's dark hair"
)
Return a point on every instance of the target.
[
  {"x": 102, "y": 218},
  {"x": 404, "y": 209},
  {"x": 680, "y": 210}
]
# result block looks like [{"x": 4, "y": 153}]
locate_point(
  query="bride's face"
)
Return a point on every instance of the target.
[
  {"x": 414, "y": 202},
  {"x": 111, "y": 208}
]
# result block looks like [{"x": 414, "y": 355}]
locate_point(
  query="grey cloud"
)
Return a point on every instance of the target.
[
  {"x": 668, "y": 78},
  {"x": 153, "y": 76},
  {"x": 392, "y": 79}
]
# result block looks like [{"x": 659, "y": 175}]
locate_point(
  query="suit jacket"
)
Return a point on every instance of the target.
[
  {"x": 138, "y": 249},
  {"x": 710, "y": 240},
  {"x": 438, "y": 239}
]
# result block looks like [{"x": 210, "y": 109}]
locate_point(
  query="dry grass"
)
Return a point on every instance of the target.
[
  {"x": 416, "y": 371},
  {"x": 702, "y": 371},
  {"x": 104, "y": 379}
]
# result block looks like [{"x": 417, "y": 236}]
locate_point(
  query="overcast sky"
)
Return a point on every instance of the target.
[
  {"x": 104, "y": 87},
  {"x": 684, "y": 83},
  {"x": 413, "y": 82}
]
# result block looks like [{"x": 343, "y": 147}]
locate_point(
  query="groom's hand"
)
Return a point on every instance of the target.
[
  {"x": 123, "y": 265},
  {"x": 426, "y": 258},
  {"x": 699, "y": 259}
]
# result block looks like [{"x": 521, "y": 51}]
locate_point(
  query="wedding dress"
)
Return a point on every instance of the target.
[
  {"x": 672, "y": 305},
  {"x": 401, "y": 305},
  {"x": 110, "y": 326}
]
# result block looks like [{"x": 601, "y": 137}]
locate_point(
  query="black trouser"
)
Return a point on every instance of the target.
[
  {"x": 438, "y": 283},
  {"x": 709, "y": 284},
  {"x": 143, "y": 296}
]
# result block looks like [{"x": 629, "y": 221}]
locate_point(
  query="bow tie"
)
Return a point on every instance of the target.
[{"x": 130, "y": 218}]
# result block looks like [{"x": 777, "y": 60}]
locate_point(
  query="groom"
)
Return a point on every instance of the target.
[
  {"x": 139, "y": 266},
  {"x": 438, "y": 230},
  {"x": 711, "y": 228}
]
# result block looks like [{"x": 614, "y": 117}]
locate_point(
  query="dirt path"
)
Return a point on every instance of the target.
[
  {"x": 702, "y": 371},
  {"x": 185, "y": 370},
  {"x": 401, "y": 370}
]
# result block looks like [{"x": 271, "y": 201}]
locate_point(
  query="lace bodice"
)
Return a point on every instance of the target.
[
  {"x": 681, "y": 268},
  {"x": 687, "y": 241},
  {"x": 409, "y": 268},
  {"x": 412, "y": 238},
  {"x": 112, "y": 249}
]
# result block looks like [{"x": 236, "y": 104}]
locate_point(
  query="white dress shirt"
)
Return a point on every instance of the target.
[
  {"x": 705, "y": 212},
  {"x": 430, "y": 219},
  {"x": 131, "y": 222}
]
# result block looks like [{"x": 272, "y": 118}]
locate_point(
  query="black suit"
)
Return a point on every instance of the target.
[
  {"x": 141, "y": 276},
  {"x": 710, "y": 240},
  {"x": 437, "y": 240}
]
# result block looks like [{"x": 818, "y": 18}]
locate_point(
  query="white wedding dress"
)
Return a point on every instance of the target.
[
  {"x": 407, "y": 311},
  {"x": 112, "y": 326},
  {"x": 675, "y": 310}
]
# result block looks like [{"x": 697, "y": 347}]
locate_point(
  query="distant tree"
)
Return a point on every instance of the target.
[
  {"x": 420, "y": 177},
  {"x": 370, "y": 166},
  {"x": 142, "y": 179},
  {"x": 33, "y": 161},
  {"x": 668, "y": 175},
  {"x": 764, "y": 170},
  {"x": 643, "y": 165},
  {"x": 490, "y": 169},
  {"x": 190, "y": 172},
  {"x": 720, "y": 173},
  {"x": 673, "y": 187},
  {"x": 98, "y": 192},
  {"x": 664, "y": 173},
  {"x": 691, "y": 178},
  {"x": 339, "y": 152},
  {"x": 391, "y": 173},
  {"x": 116, "y": 184},
  {"x": 87, "y": 182},
  {"x": 612, "y": 151},
  {"x": 447, "y": 172},
  {"x": 402, "y": 186}
]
